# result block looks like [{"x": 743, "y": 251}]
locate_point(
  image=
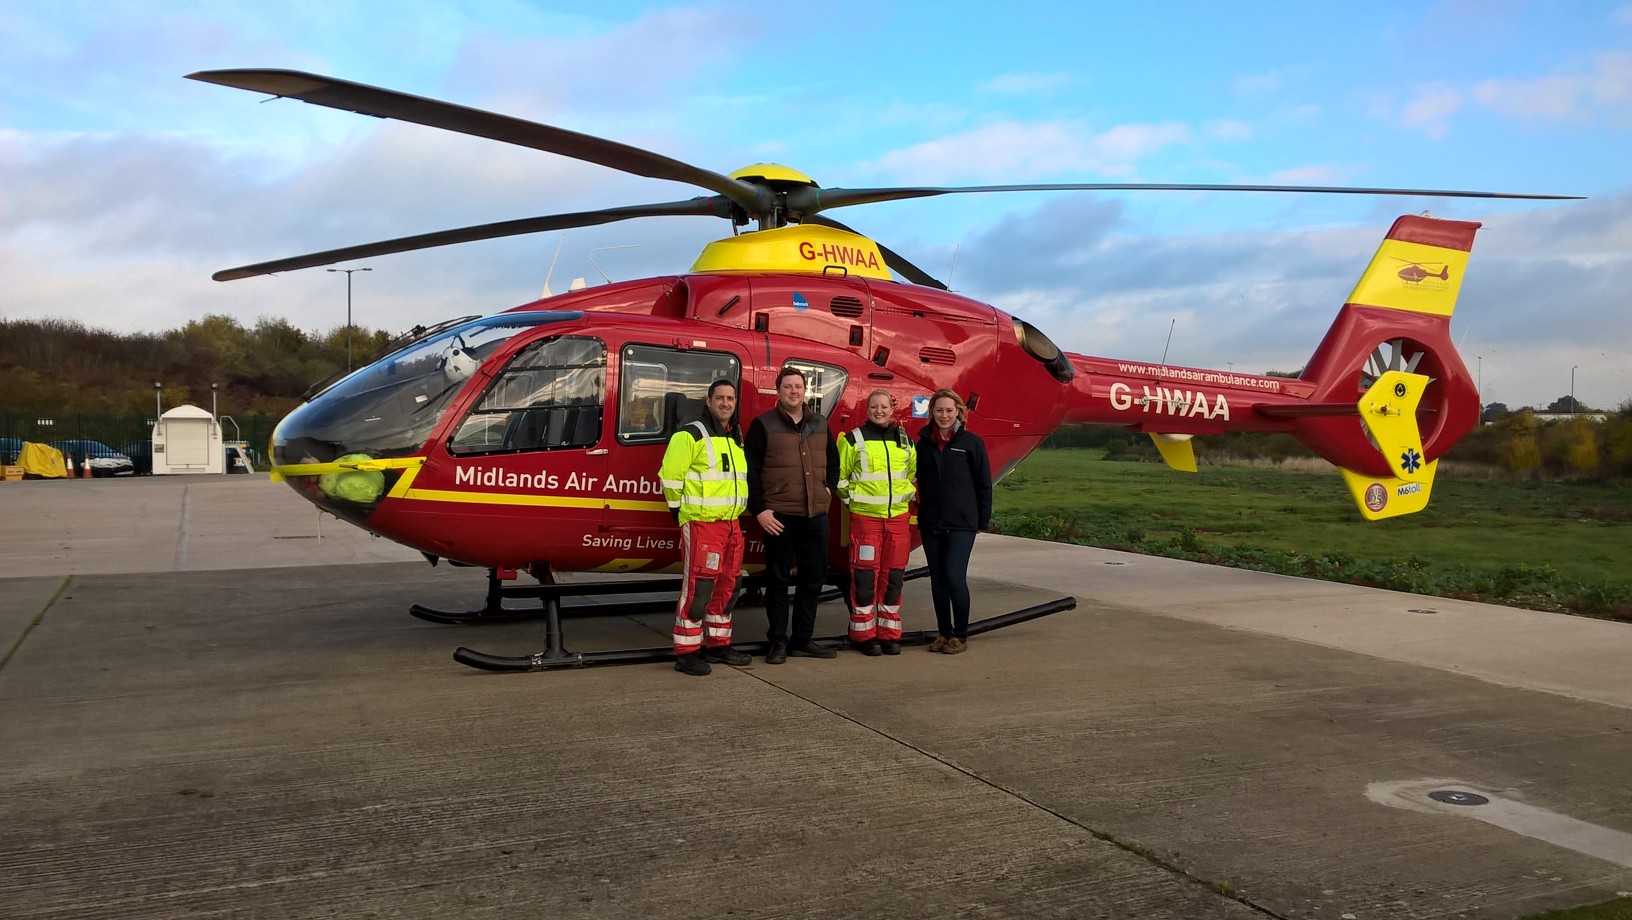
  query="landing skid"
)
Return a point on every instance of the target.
[
  {"x": 494, "y": 611},
  {"x": 555, "y": 654}
]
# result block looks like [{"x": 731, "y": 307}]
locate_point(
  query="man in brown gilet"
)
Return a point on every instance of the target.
[{"x": 793, "y": 470}]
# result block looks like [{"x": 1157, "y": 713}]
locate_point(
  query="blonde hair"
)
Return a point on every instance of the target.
[
  {"x": 963, "y": 410},
  {"x": 879, "y": 392}
]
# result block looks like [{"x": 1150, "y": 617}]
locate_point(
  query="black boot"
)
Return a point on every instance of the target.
[
  {"x": 692, "y": 664},
  {"x": 725, "y": 654}
]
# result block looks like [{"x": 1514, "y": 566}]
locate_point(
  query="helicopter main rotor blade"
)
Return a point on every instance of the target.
[
  {"x": 384, "y": 103},
  {"x": 707, "y": 206},
  {"x": 893, "y": 259},
  {"x": 811, "y": 200}
]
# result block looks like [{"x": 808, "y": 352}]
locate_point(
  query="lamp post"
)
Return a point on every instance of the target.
[
  {"x": 1572, "y": 387},
  {"x": 158, "y": 401},
  {"x": 348, "y": 272},
  {"x": 212, "y": 400},
  {"x": 1479, "y": 376}
]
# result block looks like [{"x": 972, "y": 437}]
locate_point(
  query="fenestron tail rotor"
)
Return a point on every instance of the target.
[{"x": 767, "y": 194}]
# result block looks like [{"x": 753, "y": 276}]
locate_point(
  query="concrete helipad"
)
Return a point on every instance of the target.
[{"x": 209, "y": 710}]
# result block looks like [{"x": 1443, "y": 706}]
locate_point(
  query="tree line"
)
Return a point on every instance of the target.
[
  {"x": 1520, "y": 445},
  {"x": 66, "y": 367}
]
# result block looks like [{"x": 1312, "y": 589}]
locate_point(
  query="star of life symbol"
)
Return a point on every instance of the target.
[{"x": 1410, "y": 460}]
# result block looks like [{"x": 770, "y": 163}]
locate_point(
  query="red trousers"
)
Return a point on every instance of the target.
[
  {"x": 878, "y": 565},
  {"x": 711, "y": 554}
]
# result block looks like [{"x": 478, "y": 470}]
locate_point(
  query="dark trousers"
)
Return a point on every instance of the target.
[
  {"x": 947, "y": 552},
  {"x": 802, "y": 544}
]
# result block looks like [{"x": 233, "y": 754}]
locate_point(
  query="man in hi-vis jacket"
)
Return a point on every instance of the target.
[{"x": 705, "y": 481}]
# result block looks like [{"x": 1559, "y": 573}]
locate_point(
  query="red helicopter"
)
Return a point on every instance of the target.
[{"x": 529, "y": 440}]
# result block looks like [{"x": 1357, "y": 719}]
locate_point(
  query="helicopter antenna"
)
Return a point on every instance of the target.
[
  {"x": 558, "y": 244},
  {"x": 603, "y": 248},
  {"x": 954, "y": 267},
  {"x": 1170, "y": 326}
]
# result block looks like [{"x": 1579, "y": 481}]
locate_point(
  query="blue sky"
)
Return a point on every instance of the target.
[{"x": 123, "y": 186}]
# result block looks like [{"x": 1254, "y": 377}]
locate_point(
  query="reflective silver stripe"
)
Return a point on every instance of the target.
[
  {"x": 713, "y": 458},
  {"x": 715, "y": 477},
  {"x": 871, "y": 477},
  {"x": 722, "y": 633},
  {"x": 861, "y": 446},
  {"x": 715, "y": 501},
  {"x": 674, "y": 484},
  {"x": 870, "y": 499}
]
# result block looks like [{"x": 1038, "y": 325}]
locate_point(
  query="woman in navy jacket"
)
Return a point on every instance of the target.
[{"x": 954, "y": 504}]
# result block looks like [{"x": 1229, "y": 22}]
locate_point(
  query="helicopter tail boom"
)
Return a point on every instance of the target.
[{"x": 1383, "y": 397}]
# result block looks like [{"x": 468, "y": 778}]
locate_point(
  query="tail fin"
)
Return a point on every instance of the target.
[{"x": 1389, "y": 354}]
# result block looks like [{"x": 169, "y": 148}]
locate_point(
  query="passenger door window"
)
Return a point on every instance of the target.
[
  {"x": 824, "y": 384},
  {"x": 661, "y": 389},
  {"x": 549, "y": 397}
]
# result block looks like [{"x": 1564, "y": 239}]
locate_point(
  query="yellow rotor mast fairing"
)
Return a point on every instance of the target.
[
  {"x": 811, "y": 249},
  {"x": 805, "y": 248}
]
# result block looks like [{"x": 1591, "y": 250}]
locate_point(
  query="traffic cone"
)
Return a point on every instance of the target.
[{"x": 85, "y": 467}]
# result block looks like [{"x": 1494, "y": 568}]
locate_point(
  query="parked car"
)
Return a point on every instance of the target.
[
  {"x": 10, "y": 448},
  {"x": 140, "y": 454},
  {"x": 104, "y": 460}
]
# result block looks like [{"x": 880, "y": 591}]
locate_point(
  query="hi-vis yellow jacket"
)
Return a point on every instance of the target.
[
  {"x": 705, "y": 474},
  {"x": 876, "y": 470}
]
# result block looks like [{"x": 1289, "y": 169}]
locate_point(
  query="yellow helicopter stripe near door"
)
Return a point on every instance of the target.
[
  {"x": 536, "y": 501},
  {"x": 403, "y": 488}
]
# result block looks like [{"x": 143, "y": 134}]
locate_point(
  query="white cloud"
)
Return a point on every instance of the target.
[
  {"x": 1022, "y": 150},
  {"x": 1260, "y": 84},
  {"x": 1431, "y": 110},
  {"x": 1604, "y": 87},
  {"x": 1025, "y": 84},
  {"x": 1312, "y": 174}
]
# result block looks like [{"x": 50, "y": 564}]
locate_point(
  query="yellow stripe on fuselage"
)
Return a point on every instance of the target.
[
  {"x": 410, "y": 466},
  {"x": 1412, "y": 276},
  {"x": 532, "y": 501}
]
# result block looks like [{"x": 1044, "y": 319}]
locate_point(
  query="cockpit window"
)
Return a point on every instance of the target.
[
  {"x": 389, "y": 408},
  {"x": 548, "y": 397}
]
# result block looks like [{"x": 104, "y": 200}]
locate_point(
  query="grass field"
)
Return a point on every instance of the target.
[{"x": 1547, "y": 545}]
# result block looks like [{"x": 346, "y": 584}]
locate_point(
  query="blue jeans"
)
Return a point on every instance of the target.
[{"x": 947, "y": 552}]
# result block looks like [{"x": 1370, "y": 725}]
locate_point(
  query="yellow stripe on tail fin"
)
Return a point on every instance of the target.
[{"x": 1407, "y": 275}]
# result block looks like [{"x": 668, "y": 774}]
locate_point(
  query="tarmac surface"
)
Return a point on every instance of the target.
[{"x": 214, "y": 704}]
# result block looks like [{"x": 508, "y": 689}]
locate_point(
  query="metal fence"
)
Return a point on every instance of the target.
[{"x": 119, "y": 429}]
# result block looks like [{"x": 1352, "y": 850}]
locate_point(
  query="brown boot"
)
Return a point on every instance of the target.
[
  {"x": 939, "y": 645},
  {"x": 954, "y": 646}
]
